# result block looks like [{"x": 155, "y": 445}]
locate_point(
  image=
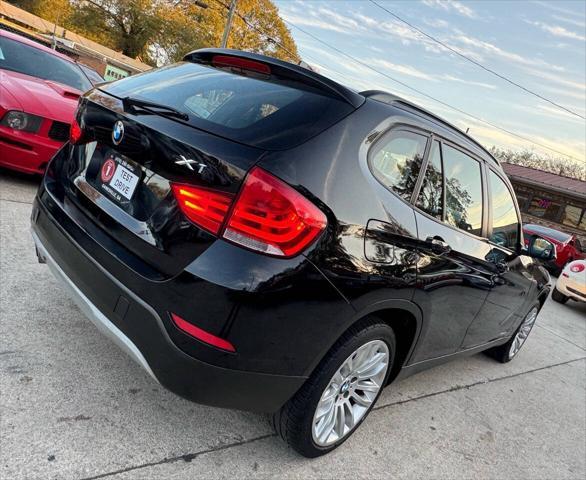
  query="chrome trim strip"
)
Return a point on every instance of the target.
[
  {"x": 91, "y": 311},
  {"x": 140, "y": 229}
]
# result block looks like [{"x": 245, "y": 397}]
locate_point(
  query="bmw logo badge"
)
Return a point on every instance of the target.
[{"x": 117, "y": 132}]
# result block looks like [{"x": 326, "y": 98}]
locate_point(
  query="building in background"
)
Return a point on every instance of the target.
[
  {"x": 108, "y": 63},
  {"x": 549, "y": 199}
]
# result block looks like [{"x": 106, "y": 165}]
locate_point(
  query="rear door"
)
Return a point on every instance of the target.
[
  {"x": 512, "y": 279},
  {"x": 453, "y": 277}
]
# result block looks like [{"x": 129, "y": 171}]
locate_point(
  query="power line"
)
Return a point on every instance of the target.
[
  {"x": 341, "y": 52},
  {"x": 475, "y": 62},
  {"x": 259, "y": 30},
  {"x": 276, "y": 42},
  {"x": 279, "y": 44}
]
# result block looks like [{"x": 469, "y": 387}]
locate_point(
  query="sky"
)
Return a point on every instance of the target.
[{"x": 537, "y": 44}]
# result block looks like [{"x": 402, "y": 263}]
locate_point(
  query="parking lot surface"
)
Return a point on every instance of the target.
[{"x": 74, "y": 406}]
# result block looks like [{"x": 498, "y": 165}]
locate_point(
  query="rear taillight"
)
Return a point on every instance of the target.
[
  {"x": 204, "y": 207},
  {"x": 577, "y": 267},
  {"x": 268, "y": 216},
  {"x": 271, "y": 217},
  {"x": 75, "y": 133}
]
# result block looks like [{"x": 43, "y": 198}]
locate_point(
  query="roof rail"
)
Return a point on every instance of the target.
[
  {"x": 393, "y": 99},
  {"x": 282, "y": 69}
]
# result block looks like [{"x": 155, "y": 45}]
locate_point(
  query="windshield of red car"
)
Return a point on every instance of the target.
[{"x": 22, "y": 58}]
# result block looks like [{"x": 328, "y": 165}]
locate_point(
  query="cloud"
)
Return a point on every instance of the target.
[
  {"x": 403, "y": 69},
  {"x": 555, "y": 7},
  {"x": 488, "y": 135},
  {"x": 489, "y": 48},
  {"x": 436, "y": 22},
  {"x": 570, "y": 21},
  {"x": 451, "y": 78},
  {"x": 557, "y": 30},
  {"x": 577, "y": 87},
  {"x": 452, "y": 5},
  {"x": 340, "y": 20},
  {"x": 309, "y": 21}
]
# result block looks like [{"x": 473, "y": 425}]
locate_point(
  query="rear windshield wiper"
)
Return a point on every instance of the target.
[{"x": 161, "y": 109}]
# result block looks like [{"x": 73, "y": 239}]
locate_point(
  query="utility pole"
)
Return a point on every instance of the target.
[{"x": 228, "y": 23}]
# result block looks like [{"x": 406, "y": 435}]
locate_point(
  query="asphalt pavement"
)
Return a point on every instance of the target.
[{"x": 73, "y": 406}]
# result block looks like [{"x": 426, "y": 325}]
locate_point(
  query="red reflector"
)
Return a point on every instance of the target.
[
  {"x": 206, "y": 208},
  {"x": 202, "y": 335},
  {"x": 576, "y": 267},
  {"x": 271, "y": 217},
  {"x": 75, "y": 132},
  {"x": 242, "y": 63}
]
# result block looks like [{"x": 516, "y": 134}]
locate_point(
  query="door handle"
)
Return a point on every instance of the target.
[{"x": 438, "y": 245}]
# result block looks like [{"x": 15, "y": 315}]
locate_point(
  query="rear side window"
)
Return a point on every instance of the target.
[
  {"x": 505, "y": 223},
  {"x": 463, "y": 190},
  {"x": 261, "y": 113},
  {"x": 397, "y": 161},
  {"x": 430, "y": 198}
]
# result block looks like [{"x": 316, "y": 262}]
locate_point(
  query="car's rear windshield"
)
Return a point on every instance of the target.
[
  {"x": 550, "y": 232},
  {"x": 262, "y": 113}
]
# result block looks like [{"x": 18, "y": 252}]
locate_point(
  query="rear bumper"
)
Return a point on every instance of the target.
[
  {"x": 90, "y": 310},
  {"x": 572, "y": 288},
  {"x": 138, "y": 329}
]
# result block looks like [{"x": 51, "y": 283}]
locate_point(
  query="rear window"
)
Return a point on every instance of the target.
[{"x": 260, "y": 113}]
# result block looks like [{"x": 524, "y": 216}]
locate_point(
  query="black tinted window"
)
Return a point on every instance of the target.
[
  {"x": 21, "y": 58},
  {"x": 463, "y": 190},
  {"x": 431, "y": 194},
  {"x": 505, "y": 223},
  {"x": 397, "y": 161},
  {"x": 262, "y": 113}
]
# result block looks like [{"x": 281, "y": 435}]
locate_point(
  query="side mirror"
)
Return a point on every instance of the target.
[{"x": 541, "y": 248}]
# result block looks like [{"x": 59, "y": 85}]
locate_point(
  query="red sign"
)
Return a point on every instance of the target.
[{"x": 108, "y": 170}]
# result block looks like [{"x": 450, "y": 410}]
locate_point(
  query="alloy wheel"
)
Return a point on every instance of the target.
[
  {"x": 350, "y": 393},
  {"x": 523, "y": 332}
]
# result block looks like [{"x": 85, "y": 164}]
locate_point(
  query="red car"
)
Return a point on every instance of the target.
[
  {"x": 39, "y": 89},
  {"x": 567, "y": 246}
]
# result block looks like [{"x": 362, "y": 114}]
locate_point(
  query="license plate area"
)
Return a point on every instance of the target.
[{"x": 118, "y": 178}]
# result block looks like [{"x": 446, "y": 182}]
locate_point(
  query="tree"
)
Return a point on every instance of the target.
[
  {"x": 162, "y": 31},
  {"x": 527, "y": 158},
  {"x": 125, "y": 25}
]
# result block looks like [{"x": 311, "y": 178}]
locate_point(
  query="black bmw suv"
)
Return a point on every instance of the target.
[{"x": 259, "y": 237}]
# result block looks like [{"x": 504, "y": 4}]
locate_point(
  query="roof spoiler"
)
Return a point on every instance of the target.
[{"x": 281, "y": 69}]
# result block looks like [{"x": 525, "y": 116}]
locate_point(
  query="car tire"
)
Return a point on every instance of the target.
[
  {"x": 298, "y": 422},
  {"x": 559, "y": 297},
  {"x": 506, "y": 352}
]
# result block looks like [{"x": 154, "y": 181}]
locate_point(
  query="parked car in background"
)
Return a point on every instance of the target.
[
  {"x": 39, "y": 90},
  {"x": 568, "y": 246},
  {"x": 91, "y": 74},
  {"x": 571, "y": 284},
  {"x": 258, "y": 236}
]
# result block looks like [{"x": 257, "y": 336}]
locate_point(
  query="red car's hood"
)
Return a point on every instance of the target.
[{"x": 40, "y": 97}]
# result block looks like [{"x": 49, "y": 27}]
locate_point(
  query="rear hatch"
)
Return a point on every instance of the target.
[{"x": 202, "y": 123}]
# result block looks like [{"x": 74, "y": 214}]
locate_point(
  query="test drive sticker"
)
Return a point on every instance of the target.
[{"x": 108, "y": 170}]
